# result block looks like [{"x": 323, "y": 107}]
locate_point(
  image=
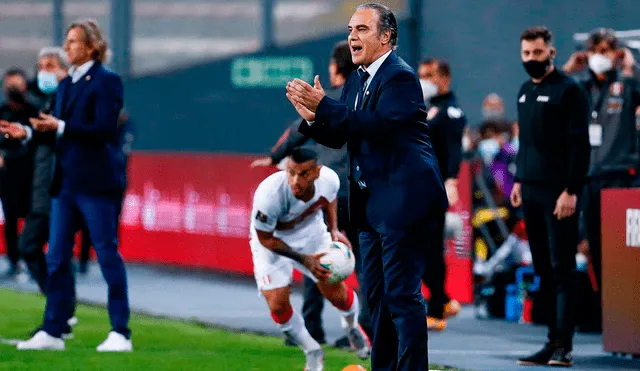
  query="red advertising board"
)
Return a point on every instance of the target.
[{"x": 193, "y": 210}]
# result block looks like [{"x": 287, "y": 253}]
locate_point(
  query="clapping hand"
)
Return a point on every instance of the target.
[
  {"x": 44, "y": 123},
  {"x": 12, "y": 130},
  {"x": 304, "y": 97}
]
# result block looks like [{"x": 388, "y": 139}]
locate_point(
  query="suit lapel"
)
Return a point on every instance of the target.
[
  {"x": 375, "y": 82},
  {"x": 79, "y": 87}
]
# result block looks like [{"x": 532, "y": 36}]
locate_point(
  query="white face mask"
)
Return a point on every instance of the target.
[
  {"x": 598, "y": 63},
  {"x": 429, "y": 89}
]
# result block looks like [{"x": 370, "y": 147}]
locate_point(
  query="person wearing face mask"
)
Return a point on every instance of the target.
[
  {"x": 552, "y": 164},
  {"x": 52, "y": 67},
  {"x": 15, "y": 175},
  {"x": 493, "y": 111},
  {"x": 446, "y": 125},
  {"x": 613, "y": 131}
]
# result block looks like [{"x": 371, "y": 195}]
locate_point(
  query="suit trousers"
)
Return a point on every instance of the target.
[
  {"x": 435, "y": 272},
  {"x": 313, "y": 299},
  {"x": 31, "y": 245},
  {"x": 392, "y": 269},
  {"x": 101, "y": 215},
  {"x": 554, "y": 244}
]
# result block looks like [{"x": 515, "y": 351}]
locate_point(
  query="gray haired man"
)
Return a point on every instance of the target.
[{"x": 52, "y": 68}]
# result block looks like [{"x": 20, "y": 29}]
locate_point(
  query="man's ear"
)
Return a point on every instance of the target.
[
  {"x": 385, "y": 37},
  {"x": 552, "y": 52}
]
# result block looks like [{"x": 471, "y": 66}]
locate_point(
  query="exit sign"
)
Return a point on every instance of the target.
[{"x": 269, "y": 72}]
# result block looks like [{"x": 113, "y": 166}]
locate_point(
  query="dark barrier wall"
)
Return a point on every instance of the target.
[
  {"x": 481, "y": 38},
  {"x": 199, "y": 109}
]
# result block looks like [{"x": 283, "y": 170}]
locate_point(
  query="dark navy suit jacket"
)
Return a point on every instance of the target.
[
  {"x": 389, "y": 138},
  {"x": 88, "y": 153}
]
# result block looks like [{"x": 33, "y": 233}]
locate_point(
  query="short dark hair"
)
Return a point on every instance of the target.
[
  {"x": 341, "y": 55},
  {"x": 602, "y": 34},
  {"x": 443, "y": 66},
  {"x": 537, "y": 32},
  {"x": 386, "y": 20},
  {"x": 303, "y": 154},
  {"x": 16, "y": 72}
]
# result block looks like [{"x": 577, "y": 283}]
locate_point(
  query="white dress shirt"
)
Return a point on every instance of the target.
[
  {"x": 76, "y": 74},
  {"x": 372, "y": 70}
]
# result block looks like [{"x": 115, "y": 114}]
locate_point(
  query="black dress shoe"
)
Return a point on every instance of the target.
[
  {"x": 541, "y": 357},
  {"x": 561, "y": 358}
]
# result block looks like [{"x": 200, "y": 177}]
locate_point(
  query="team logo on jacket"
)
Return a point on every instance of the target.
[
  {"x": 433, "y": 111},
  {"x": 616, "y": 89}
]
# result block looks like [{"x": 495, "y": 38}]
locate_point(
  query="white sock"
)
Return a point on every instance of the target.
[
  {"x": 350, "y": 316},
  {"x": 295, "y": 330}
]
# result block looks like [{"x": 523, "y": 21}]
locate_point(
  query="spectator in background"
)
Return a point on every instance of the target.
[
  {"x": 493, "y": 108},
  {"x": 446, "y": 124},
  {"x": 614, "y": 134},
  {"x": 340, "y": 67},
  {"x": 17, "y": 160},
  {"x": 493, "y": 111},
  {"x": 498, "y": 155},
  {"x": 52, "y": 68},
  {"x": 552, "y": 165}
]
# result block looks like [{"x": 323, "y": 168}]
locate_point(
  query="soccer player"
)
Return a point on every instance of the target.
[{"x": 288, "y": 231}]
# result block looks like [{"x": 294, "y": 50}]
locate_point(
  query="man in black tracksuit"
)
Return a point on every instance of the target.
[
  {"x": 340, "y": 68},
  {"x": 446, "y": 125},
  {"x": 552, "y": 165},
  {"x": 17, "y": 162},
  {"x": 614, "y": 133}
]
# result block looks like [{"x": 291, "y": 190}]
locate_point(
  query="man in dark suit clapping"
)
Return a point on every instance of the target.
[
  {"x": 88, "y": 183},
  {"x": 396, "y": 192}
]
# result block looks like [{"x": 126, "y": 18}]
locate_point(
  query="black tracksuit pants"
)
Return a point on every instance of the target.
[{"x": 553, "y": 246}]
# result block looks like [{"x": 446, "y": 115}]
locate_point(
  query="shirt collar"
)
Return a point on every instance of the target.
[
  {"x": 82, "y": 69},
  {"x": 375, "y": 66}
]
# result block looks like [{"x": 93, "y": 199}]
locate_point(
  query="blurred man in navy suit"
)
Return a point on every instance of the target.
[
  {"x": 88, "y": 183},
  {"x": 396, "y": 191}
]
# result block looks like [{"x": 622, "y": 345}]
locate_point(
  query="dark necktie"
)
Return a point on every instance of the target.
[
  {"x": 356, "y": 174},
  {"x": 364, "y": 76}
]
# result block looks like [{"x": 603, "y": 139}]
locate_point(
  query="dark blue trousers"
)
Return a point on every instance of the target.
[
  {"x": 392, "y": 269},
  {"x": 101, "y": 216}
]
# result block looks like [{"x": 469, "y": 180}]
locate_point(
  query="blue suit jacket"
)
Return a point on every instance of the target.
[
  {"x": 88, "y": 153},
  {"x": 389, "y": 137}
]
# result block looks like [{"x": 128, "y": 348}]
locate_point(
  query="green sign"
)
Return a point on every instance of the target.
[{"x": 269, "y": 72}]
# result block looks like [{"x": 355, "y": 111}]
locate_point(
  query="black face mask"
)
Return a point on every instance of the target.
[
  {"x": 16, "y": 96},
  {"x": 537, "y": 69}
]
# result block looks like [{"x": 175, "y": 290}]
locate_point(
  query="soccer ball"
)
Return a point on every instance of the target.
[{"x": 339, "y": 260}]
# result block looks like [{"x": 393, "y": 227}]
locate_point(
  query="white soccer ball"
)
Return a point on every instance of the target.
[{"x": 339, "y": 260}]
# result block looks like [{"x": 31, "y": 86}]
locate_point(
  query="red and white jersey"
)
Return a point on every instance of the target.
[{"x": 297, "y": 223}]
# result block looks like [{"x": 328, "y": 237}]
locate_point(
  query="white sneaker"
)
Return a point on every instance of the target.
[
  {"x": 115, "y": 343},
  {"x": 41, "y": 341}
]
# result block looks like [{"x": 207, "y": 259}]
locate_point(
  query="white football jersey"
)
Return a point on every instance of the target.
[{"x": 297, "y": 223}]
